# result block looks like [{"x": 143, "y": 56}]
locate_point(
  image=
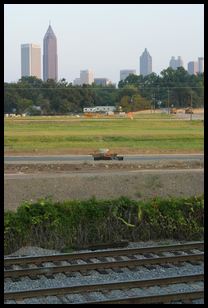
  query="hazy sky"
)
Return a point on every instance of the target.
[{"x": 104, "y": 37}]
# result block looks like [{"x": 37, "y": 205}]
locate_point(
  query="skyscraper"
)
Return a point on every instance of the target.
[
  {"x": 179, "y": 62},
  {"x": 86, "y": 76},
  {"x": 50, "y": 57},
  {"x": 174, "y": 63},
  {"x": 102, "y": 81},
  {"x": 201, "y": 65},
  {"x": 30, "y": 60},
  {"x": 125, "y": 73},
  {"x": 145, "y": 63},
  {"x": 192, "y": 68}
]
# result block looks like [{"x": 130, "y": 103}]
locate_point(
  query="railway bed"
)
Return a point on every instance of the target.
[{"x": 183, "y": 288}]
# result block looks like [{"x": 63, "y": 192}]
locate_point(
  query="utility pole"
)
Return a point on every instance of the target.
[
  {"x": 151, "y": 102},
  {"x": 191, "y": 108},
  {"x": 168, "y": 102}
]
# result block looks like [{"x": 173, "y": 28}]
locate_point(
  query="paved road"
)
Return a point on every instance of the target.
[{"x": 74, "y": 158}]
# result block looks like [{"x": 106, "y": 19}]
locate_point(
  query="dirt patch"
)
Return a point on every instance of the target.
[
  {"x": 103, "y": 180},
  {"x": 135, "y": 184},
  {"x": 105, "y": 166}
]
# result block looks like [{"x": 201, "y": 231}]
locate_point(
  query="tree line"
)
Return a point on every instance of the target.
[{"x": 137, "y": 92}]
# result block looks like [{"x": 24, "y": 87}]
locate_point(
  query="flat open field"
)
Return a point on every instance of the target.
[{"x": 152, "y": 133}]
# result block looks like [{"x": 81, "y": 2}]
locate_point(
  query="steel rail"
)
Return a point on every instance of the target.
[
  {"x": 102, "y": 265},
  {"x": 152, "y": 299},
  {"x": 17, "y": 295},
  {"x": 105, "y": 253}
]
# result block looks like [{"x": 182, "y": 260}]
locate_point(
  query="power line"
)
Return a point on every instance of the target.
[{"x": 112, "y": 89}]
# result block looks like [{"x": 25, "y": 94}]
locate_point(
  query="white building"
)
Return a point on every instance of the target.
[
  {"x": 30, "y": 60},
  {"x": 125, "y": 73},
  {"x": 101, "y": 109},
  {"x": 86, "y": 76}
]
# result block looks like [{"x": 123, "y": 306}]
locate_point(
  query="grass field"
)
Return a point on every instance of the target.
[{"x": 153, "y": 133}]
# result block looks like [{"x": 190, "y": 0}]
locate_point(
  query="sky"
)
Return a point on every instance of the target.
[{"x": 104, "y": 37}]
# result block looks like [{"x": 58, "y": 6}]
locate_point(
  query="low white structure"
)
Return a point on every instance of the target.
[{"x": 101, "y": 109}]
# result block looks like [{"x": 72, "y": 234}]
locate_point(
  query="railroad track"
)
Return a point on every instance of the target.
[{"x": 135, "y": 258}]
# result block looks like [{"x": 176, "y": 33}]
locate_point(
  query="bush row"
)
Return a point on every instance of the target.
[{"x": 57, "y": 225}]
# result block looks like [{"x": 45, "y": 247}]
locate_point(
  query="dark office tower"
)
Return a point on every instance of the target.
[
  {"x": 145, "y": 63},
  {"x": 50, "y": 58}
]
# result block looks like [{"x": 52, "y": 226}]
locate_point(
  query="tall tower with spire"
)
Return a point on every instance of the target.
[
  {"x": 50, "y": 57},
  {"x": 145, "y": 63}
]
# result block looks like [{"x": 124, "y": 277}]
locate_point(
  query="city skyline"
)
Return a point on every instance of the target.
[{"x": 80, "y": 47}]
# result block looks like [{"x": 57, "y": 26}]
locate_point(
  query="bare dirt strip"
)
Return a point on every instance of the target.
[{"x": 103, "y": 181}]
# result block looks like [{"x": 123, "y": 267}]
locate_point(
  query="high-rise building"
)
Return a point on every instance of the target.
[
  {"x": 125, "y": 73},
  {"x": 193, "y": 68},
  {"x": 174, "y": 63},
  {"x": 179, "y": 62},
  {"x": 102, "y": 81},
  {"x": 201, "y": 65},
  {"x": 50, "y": 57},
  {"x": 86, "y": 76},
  {"x": 145, "y": 63},
  {"x": 77, "y": 82},
  {"x": 30, "y": 60}
]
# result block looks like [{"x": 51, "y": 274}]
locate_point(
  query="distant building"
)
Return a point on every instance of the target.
[
  {"x": 201, "y": 65},
  {"x": 30, "y": 60},
  {"x": 125, "y": 73},
  {"x": 193, "y": 68},
  {"x": 174, "y": 63},
  {"x": 50, "y": 57},
  {"x": 99, "y": 109},
  {"x": 179, "y": 62},
  {"x": 145, "y": 63},
  {"x": 86, "y": 77},
  {"x": 102, "y": 81},
  {"x": 77, "y": 82}
]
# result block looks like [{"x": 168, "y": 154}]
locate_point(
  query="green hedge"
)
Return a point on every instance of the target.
[{"x": 57, "y": 225}]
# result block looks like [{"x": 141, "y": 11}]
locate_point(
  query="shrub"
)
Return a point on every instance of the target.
[{"x": 71, "y": 223}]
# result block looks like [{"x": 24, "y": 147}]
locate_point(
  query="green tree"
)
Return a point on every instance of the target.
[
  {"x": 44, "y": 103},
  {"x": 23, "y": 105},
  {"x": 140, "y": 103},
  {"x": 125, "y": 103}
]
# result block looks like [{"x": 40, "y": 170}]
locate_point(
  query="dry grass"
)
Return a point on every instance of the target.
[{"x": 182, "y": 110}]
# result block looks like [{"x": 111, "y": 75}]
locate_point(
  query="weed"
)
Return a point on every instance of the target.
[{"x": 64, "y": 225}]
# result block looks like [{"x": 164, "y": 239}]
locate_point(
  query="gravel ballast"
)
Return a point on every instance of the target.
[{"x": 60, "y": 280}]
